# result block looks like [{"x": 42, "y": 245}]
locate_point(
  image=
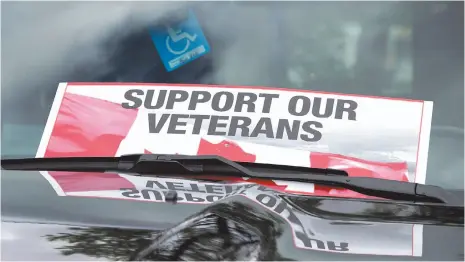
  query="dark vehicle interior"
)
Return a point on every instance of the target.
[{"x": 429, "y": 46}]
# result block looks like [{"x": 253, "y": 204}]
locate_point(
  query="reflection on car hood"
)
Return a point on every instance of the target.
[{"x": 258, "y": 225}]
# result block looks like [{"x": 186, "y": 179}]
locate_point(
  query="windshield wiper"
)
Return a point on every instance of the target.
[{"x": 178, "y": 165}]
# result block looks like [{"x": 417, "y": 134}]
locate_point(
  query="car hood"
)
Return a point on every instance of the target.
[{"x": 256, "y": 224}]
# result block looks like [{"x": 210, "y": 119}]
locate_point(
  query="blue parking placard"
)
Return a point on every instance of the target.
[{"x": 180, "y": 43}]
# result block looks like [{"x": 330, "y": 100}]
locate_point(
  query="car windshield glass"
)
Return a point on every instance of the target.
[{"x": 394, "y": 49}]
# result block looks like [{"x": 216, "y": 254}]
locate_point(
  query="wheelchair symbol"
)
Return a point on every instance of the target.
[{"x": 175, "y": 36}]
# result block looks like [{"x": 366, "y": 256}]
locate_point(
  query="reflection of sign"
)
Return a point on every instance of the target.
[
  {"x": 309, "y": 232},
  {"x": 181, "y": 43}
]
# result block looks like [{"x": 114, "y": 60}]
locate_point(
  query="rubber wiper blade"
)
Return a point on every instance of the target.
[
  {"x": 178, "y": 165},
  {"x": 78, "y": 164},
  {"x": 153, "y": 164}
]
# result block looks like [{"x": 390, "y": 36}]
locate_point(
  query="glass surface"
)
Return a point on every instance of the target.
[{"x": 395, "y": 49}]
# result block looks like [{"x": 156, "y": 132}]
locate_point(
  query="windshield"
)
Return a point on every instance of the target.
[{"x": 393, "y": 49}]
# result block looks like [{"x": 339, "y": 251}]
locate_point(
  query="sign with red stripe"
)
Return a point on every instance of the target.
[{"x": 249, "y": 124}]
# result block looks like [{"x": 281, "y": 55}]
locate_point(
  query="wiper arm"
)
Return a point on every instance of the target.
[{"x": 177, "y": 165}]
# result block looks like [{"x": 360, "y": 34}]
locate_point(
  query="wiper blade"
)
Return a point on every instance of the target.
[
  {"x": 155, "y": 164},
  {"x": 178, "y": 165}
]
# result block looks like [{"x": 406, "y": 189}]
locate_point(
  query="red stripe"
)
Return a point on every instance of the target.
[
  {"x": 88, "y": 126},
  {"x": 419, "y": 140},
  {"x": 226, "y": 149},
  {"x": 147, "y": 152},
  {"x": 360, "y": 168}
]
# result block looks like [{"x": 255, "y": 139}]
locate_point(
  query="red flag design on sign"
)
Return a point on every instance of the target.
[
  {"x": 360, "y": 168},
  {"x": 88, "y": 126},
  {"x": 226, "y": 149}
]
